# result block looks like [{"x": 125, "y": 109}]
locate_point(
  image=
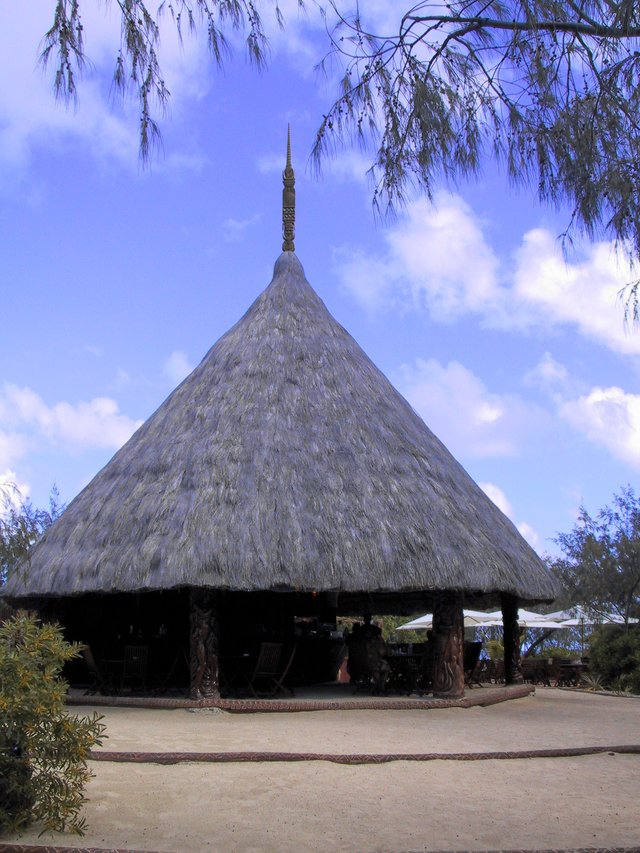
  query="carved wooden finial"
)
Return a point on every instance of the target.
[{"x": 288, "y": 201}]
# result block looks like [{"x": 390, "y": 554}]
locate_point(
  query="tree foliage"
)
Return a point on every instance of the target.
[
  {"x": 547, "y": 88},
  {"x": 137, "y": 66},
  {"x": 21, "y": 525},
  {"x": 601, "y": 563},
  {"x": 614, "y": 656},
  {"x": 43, "y": 750}
]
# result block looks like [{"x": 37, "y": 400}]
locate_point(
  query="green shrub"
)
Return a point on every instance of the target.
[
  {"x": 495, "y": 649},
  {"x": 614, "y": 656},
  {"x": 43, "y": 750}
]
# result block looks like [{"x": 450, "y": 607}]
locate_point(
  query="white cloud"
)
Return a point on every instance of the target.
[
  {"x": 12, "y": 490},
  {"x": 581, "y": 294},
  {"x": 177, "y": 367},
  {"x": 349, "y": 165},
  {"x": 371, "y": 280},
  {"x": 548, "y": 374},
  {"x": 234, "y": 229},
  {"x": 532, "y": 536},
  {"x": 502, "y": 502},
  {"x": 296, "y": 39},
  {"x": 97, "y": 423},
  {"x": 437, "y": 258},
  {"x": 29, "y": 114},
  {"x": 498, "y": 497},
  {"x": 28, "y": 111},
  {"x": 470, "y": 420},
  {"x": 13, "y": 446},
  {"x": 610, "y": 418},
  {"x": 433, "y": 252}
]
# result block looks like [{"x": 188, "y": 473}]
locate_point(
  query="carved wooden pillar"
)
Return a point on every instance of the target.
[
  {"x": 448, "y": 639},
  {"x": 205, "y": 682},
  {"x": 512, "y": 670}
]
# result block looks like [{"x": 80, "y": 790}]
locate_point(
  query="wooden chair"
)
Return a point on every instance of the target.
[
  {"x": 471, "y": 656},
  {"x": 134, "y": 671},
  {"x": 101, "y": 684},
  {"x": 494, "y": 671},
  {"x": 424, "y": 681},
  {"x": 482, "y": 672},
  {"x": 530, "y": 670},
  {"x": 357, "y": 665},
  {"x": 268, "y": 676},
  {"x": 279, "y": 683}
]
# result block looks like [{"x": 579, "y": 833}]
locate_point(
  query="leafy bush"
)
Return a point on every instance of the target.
[
  {"x": 495, "y": 649},
  {"x": 43, "y": 750},
  {"x": 614, "y": 656}
]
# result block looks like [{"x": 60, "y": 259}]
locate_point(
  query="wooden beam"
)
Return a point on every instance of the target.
[
  {"x": 205, "y": 680},
  {"x": 512, "y": 668},
  {"x": 448, "y": 639}
]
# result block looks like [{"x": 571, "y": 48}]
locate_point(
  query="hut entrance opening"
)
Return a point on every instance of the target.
[
  {"x": 198, "y": 642},
  {"x": 205, "y": 643}
]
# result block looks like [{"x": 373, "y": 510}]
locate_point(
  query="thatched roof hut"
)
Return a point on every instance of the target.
[{"x": 286, "y": 461}]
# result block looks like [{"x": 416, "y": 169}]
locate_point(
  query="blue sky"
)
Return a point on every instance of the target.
[{"x": 116, "y": 280}]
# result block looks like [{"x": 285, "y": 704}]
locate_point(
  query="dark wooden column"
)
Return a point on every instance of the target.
[
  {"x": 205, "y": 682},
  {"x": 512, "y": 670},
  {"x": 448, "y": 639}
]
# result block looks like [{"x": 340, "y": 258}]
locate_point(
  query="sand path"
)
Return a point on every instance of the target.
[{"x": 523, "y": 803}]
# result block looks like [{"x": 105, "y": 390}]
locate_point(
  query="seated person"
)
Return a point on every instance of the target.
[
  {"x": 377, "y": 663},
  {"x": 367, "y": 664},
  {"x": 356, "y": 661}
]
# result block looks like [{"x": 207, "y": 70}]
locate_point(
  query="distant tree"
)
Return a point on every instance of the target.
[
  {"x": 614, "y": 656},
  {"x": 548, "y": 89},
  {"x": 390, "y": 624},
  {"x": 601, "y": 563},
  {"x": 21, "y": 525}
]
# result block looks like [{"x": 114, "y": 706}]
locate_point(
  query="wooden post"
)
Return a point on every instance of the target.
[
  {"x": 205, "y": 682},
  {"x": 512, "y": 669},
  {"x": 448, "y": 639}
]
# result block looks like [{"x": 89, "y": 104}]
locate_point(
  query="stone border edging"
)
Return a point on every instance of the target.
[
  {"x": 352, "y": 758},
  {"x": 48, "y": 848},
  {"x": 478, "y": 697}
]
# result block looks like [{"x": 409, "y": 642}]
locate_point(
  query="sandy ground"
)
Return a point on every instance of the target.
[{"x": 523, "y": 803}]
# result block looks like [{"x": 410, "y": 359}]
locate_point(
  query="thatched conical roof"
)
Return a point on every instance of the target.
[{"x": 285, "y": 461}]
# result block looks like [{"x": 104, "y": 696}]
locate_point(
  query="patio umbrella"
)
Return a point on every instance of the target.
[
  {"x": 527, "y": 623},
  {"x": 530, "y": 619},
  {"x": 579, "y": 616},
  {"x": 481, "y": 619},
  {"x": 472, "y": 619}
]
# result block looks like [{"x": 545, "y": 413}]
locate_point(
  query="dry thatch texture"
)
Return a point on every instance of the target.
[{"x": 286, "y": 460}]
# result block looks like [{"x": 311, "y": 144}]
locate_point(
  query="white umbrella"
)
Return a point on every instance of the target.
[
  {"x": 472, "y": 619},
  {"x": 578, "y": 616},
  {"x": 481, "y": 619},
  {"x": 528, "y": 623},
  {"x": 530, "y": 619}
]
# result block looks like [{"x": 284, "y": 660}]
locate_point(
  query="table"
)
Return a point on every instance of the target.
[
  {"x": 569, "y": 673},
  {"x": 406, "y": 673}
]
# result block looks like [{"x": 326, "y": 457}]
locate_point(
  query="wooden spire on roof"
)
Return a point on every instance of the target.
[{"x": 288, "y": 201}]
